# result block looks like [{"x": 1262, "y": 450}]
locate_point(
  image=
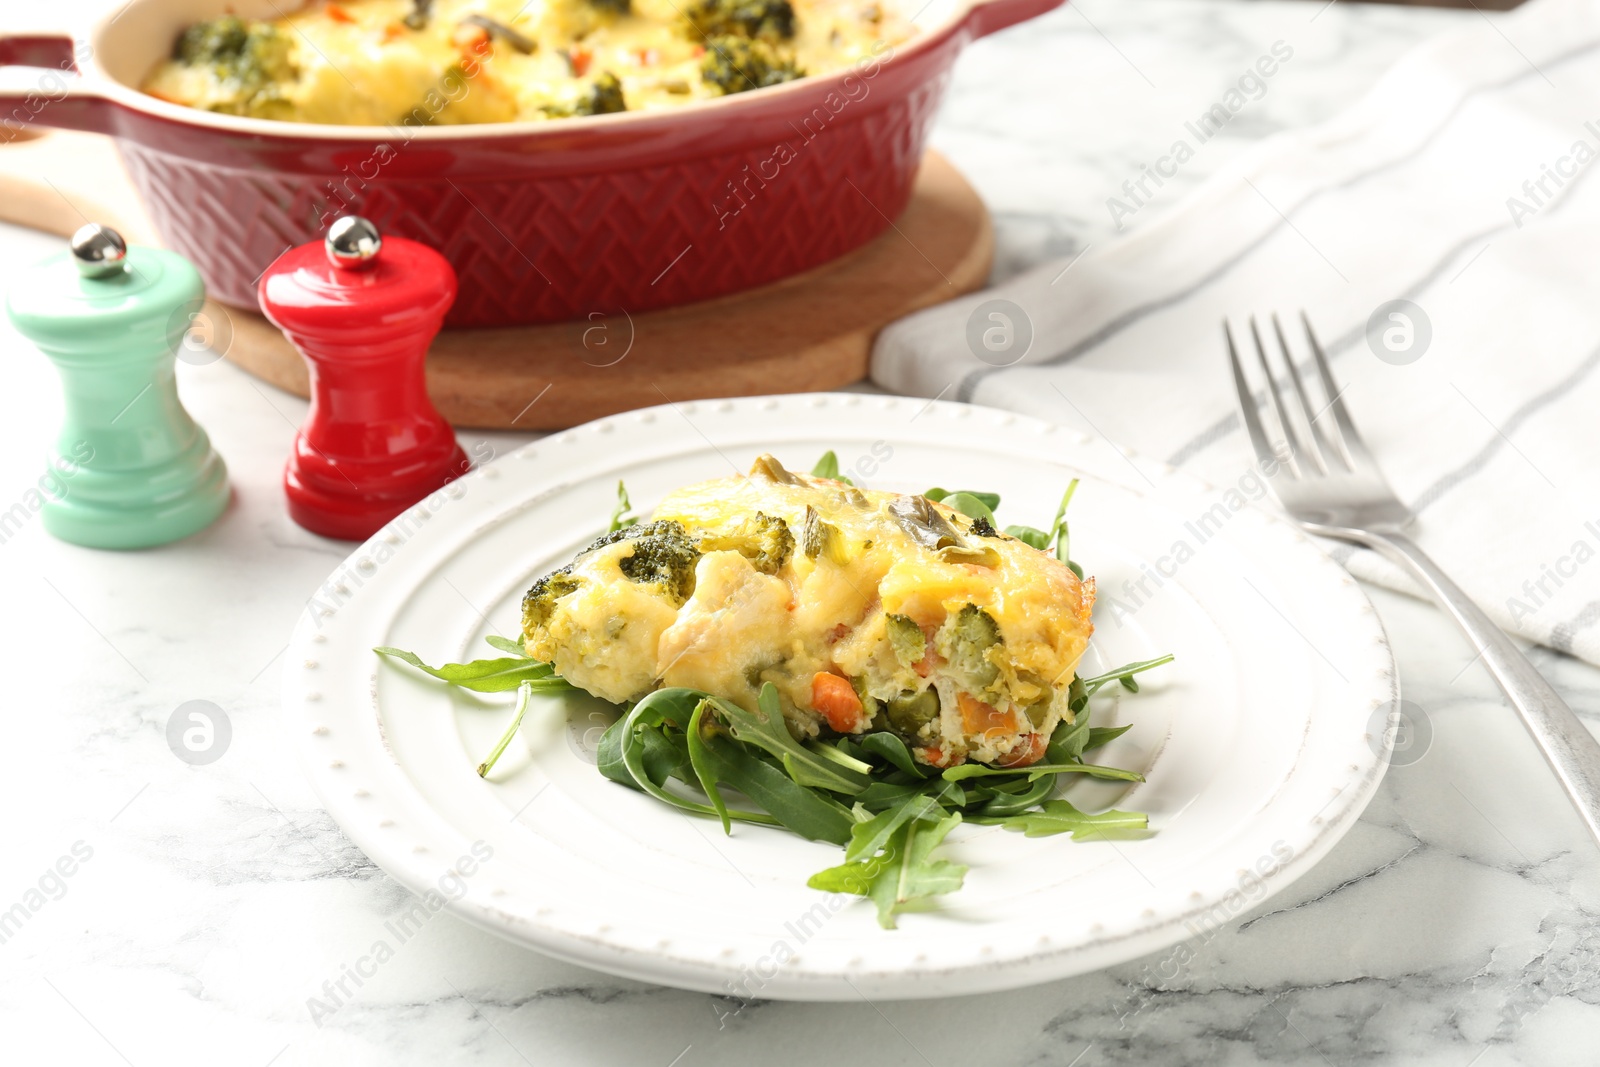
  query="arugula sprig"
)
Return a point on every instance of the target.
[
  {"x": 975, "y": 505},
  {"x": 769, "y": 732},
  {"x": 622, "y": 515},
  {"x": 1058, "y": 538},
  {"x": 828, "y": 467},
  {"x": 653, "y": 743},
  {"x": 889, "y": 858},
  {"x": 524, "y": 695},
  {"x": 489, "y": 675},
  {"x": 1060, "y": 817},
  {"x": 1124, "y": 675},
  {"x": 517, "y": 671},
  {"x": 901, "y": 813}
]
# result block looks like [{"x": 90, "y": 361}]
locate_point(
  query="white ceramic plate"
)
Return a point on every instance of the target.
[{"x": 1257, "y": 742}]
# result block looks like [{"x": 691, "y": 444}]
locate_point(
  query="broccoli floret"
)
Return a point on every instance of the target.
[
  {"x": 910, "y": 644},
  {"x": 769, "y": 19},
  {"x": 604, "y": 96},
  {"x": 540, "y": 602},
  {"x": 663, "y": 556},
  {"x": 738, "y": 64},
  {"x": 250, "y": 60},
  {"x": 762, "y": 539},
  {"x": 965, "y": 642},
  {"x": 612, "y": 7}
]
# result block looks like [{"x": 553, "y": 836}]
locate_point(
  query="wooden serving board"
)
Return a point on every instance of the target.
[{"x": 810, "y": 332}]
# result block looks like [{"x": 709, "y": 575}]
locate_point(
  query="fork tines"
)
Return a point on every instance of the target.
[{"x": 1304, "y": 438}]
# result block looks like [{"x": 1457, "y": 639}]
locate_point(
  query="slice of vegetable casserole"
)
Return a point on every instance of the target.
[{"x": 867, "y": 610}]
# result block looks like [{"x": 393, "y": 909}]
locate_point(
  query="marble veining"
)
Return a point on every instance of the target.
[{"x": 1457, "y": 924}]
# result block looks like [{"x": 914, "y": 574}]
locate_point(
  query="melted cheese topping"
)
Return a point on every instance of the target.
[
  {"x": 358, "y": 62},
  {"x": 964, "y": 643}
]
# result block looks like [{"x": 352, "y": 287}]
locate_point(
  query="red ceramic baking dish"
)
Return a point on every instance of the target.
[{"x": 542, "y": 221}]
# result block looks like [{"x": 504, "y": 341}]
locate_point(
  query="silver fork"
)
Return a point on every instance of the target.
[{"x": 1327, "y": 480}]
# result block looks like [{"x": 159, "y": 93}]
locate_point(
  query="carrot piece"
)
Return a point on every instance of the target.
[
  {"x": 836, "y": 699},
  {"x": 580, "y": 58},
  {"x": 978, "y": 718},
  {"x": 338, "y": 14},
  {"x": 393, "y": 32}
]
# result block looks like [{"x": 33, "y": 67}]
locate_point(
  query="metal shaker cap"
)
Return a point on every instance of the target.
[
  {"x": 99, "y": 251},
  {"x": 353, "y": 243}
]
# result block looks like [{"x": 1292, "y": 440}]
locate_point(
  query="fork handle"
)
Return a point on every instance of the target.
[{"x": 1568, "y": 746}]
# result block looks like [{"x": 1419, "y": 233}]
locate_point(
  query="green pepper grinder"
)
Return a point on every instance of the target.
[{"x": 130, "y": 468}]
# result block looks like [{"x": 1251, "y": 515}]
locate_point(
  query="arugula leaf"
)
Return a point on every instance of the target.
[
  {"x": 661, "y": 758},
  {"x": 1005, "y": 802},
  {"x": 828, "y": 467},
  {"x": 1101, "y": 735},
  {"x": 768, "y": 731},
  {"x": 810, "y": 813},
  {"x": 622, "y": 515},
  {"x": 1124, "y": 674},
  {"x": 974, "y": 505},
  {"x": 1037, "y": 770},
  {"x": 1058, "y": 535},
  {"x": 665, "y": 754},
  {"x": 1059, "y": 532},
  {"x": 1060, "y": 817},
  {"x": 903, "y": 873},
  {"x": 1077, "y": 695},
  {"x": 646, "y": 719},
  {"x": 853, "y": 878},
  {"x": 608, "y": 755},
  {"x": 880, "y": 794},
  {"x": 989, "y": 501},
  {"x": 524, "y": 695},
  {"x": 886, "y": 745},
  {"x": 645, "y": 748},
  {"x": 1031, "y": 536},
  {"x": 505, "y": 644},
  {"x": 488, "y": 675},
  {"x": 1069, "y": 740},
  {"x": 704, "y": 769},
  {"x": 871, "y": 835}
]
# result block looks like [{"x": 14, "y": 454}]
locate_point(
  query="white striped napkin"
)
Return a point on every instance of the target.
[{"x": 1468, "y": 183}]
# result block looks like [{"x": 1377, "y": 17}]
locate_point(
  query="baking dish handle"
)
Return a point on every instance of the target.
[
  {"x": 989, "y": 16},
  {"x": 44, "y": 87}
]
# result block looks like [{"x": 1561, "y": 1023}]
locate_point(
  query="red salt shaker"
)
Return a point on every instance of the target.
[{"x": 362, "y": 310}]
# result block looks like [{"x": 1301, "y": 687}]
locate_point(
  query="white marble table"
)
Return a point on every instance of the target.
[{"x": 1455, "y": 925}]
